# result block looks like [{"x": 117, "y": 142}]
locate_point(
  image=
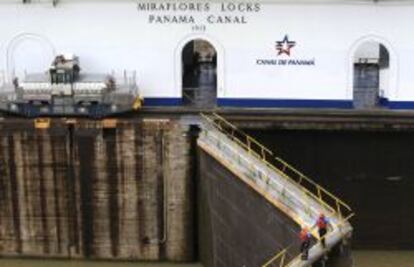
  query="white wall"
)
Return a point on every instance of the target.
[
  {"x": 369, "y": 50},
  {"x": 115, "y": 36}
]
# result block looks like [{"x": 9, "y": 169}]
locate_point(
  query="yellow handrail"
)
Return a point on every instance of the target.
[
  {"x": 255, "y": 148},
  {"x": 330, "y": 202},
  {"x": 281, "y": 256}
]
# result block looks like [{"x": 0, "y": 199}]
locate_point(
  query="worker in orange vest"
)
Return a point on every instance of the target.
[
  {"x": 322, "y": 223},
  {"x": 305, "y": 238}
]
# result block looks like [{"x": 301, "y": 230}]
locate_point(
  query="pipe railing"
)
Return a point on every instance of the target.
[
  {"x": 336, "y": 207},
  {"x": 279, "y": 260}
]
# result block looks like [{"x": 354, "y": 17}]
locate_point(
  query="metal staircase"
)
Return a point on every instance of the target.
[{"x": 286, "y": 188}]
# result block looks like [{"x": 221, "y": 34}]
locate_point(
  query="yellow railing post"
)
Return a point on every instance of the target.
[
  {"x": 265, "y": 154},
  {"x": 319, "y": 193},
  {"x": 338, "y": 209},
  {"x": 249, "y": 144},
  {"x": 311, "y": 190},
  {"x": 281, "y": 256},
  {"x": 42, "y": 123},
  {"x": 282, "y": 261},
  {"x": 300, "y": 179}
]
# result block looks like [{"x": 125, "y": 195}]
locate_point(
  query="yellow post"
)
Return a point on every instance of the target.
[
  {"x": 42, "y": 123},
  {"x": 281, "y": 255},
  {"x": 338, "y": 207},
  {"x": 249, "y": 145},
  {"x": 319, "y": 192},
  {"x": 300, "y": 179},
  {"x": 137, "y": 104},
  {"x": 262, "y": 153},
  {"x": 282, "y": 261},
  {"x": 109, "y": 123}
]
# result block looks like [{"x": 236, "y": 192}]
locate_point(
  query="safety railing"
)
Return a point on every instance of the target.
[
  {"x": 258, "y": 175},
  {"x": 336, "y": 208},
  {"x": 329, "y": 201},
  {"x": 189, "y": 98},
  {"x": 279, "y": 260}
]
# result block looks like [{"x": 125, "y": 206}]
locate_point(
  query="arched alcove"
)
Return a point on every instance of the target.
[
  {"x": 199, "y": 73},
  {"x": 373, "y": 74},
  {"x": 28, "y": 52}
]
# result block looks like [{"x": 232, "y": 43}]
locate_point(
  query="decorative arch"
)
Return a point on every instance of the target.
[
  {"x": 19, "y": 39},
  {"x": 392, "y": 90},
  {"x": 220, "y": 62}
]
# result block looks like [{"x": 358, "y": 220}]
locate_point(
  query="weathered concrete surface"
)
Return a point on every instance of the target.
[
  {"x": 238, "y": 224},
  {"x": 238, "y": 227},
  {"x": 82, "y": 191},
  {"x": 371, "y": 170},
  {"x": 341, "y": 256}
]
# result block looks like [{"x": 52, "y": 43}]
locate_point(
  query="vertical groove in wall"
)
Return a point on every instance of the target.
[
  {"x": 42, "y": 193},
  {"x": 139, "y": 159},
  {"x": 7, "y": 236},
  {"x": 162, "y": 235},
  {"x": 72, "y": 203},
  {"x": 85, "y": 153},
  {"x": 110, "y": 140},
  {"x": 58, "y": 193},
  {"x": 79, "y": 191},
  {"x": 24, "y": 196},
  {"x": 14, "y": 195}
]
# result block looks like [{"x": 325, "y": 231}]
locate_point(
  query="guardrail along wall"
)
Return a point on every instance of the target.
[
  {"x": 238, "y": 227},
  {"x": 277, "y": 183},
  {"x": 356, "y": 164}
]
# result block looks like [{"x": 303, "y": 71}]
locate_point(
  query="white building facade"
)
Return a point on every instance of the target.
[{"x": 268, "y": 53}]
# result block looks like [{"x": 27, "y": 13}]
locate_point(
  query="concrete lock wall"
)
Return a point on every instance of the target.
[
  {"x": 238, "y": 227},
  {"x": 370, "y": 169},
  {"x": 85, "y": 192}
]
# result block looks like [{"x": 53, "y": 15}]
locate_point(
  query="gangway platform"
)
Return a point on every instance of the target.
[{"x": 290, "y": 191}]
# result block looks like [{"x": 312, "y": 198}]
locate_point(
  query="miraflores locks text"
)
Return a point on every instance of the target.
[{"x": 180, "y": 12}]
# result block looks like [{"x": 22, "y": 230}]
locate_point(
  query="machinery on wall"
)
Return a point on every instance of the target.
[{"x": 64, "y": 90}]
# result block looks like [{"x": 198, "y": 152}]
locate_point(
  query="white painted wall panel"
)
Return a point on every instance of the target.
[{"x": 115, "y": 36}]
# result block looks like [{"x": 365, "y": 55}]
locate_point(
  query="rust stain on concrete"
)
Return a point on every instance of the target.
[{"x": 82, "y": 191}]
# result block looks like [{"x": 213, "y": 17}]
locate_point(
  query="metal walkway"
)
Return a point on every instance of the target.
[{"x": 279, "y": 183}]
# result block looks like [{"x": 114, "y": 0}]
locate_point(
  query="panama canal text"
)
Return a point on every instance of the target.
[{"x": 185, "y": 12}]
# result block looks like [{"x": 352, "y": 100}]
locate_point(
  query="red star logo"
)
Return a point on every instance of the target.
[{"x": 284, "y": 46}]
